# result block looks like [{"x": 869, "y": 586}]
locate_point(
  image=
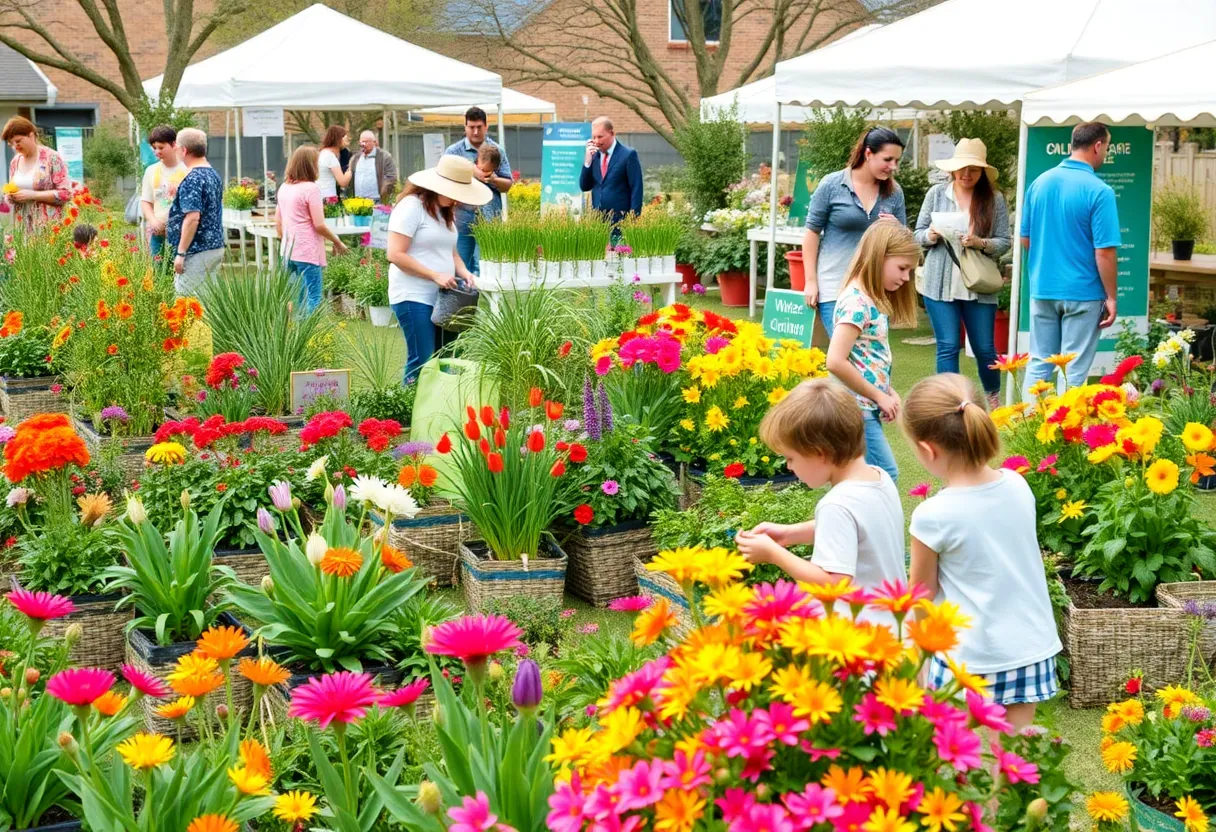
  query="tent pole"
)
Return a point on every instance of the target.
[
  {"x": 265, "y": 170},
  {"x": 502, "y": 142},
  {"x": 236, "y": 117},
  {"x": 772, "y": 213},
  {"x": 227, "y": 127},
  {"x": 384, "y": 130},
  {"x": 1015, "y": 300}
]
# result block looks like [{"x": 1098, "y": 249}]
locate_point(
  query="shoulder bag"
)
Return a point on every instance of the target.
[{"x": 980, "y": 272}]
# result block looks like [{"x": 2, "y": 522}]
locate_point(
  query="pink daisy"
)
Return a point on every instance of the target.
[
  {"x": 1015, "y": 768},
  {"x": 734, "y": 805},
  {"x": 342, "y": 697},
  {"x": 988, "y": 714},
  {"x": 739, "y": 736},
  {"x": 758, "y": 762},
  {"x": 633, "y": 688},
  {"x": 854, "y": 816},
  {"x": 80, "y": 686},
  {"x": 812, "y": 806},
  {"x": 773, "y": 604},
  {"x": 472, "y": 815},
  {"x": 685, "y": 773},
  {"x": 1048, "y": 464},
  {"x": 406, "y": 695},
  {"x": 941, "y": 713},
  {"x": 41, "y": 606},
  {"x": 145, "y": 682},
  {"x": 920, "y": 490},
  {"x": 958, "y": 745},
  {"x": 977, "y": 818},
  {"x": 633, "y": 603},
  {"x": 639, "y": 787},
  {"x": 1017, "y": 463},
  {"x": 472, "y": 638},
  {"x": 765, "y": 817},
  {"x": 566, "y": 805},
  {"x": 780, "y": 720},
  {"x": 1097, "y": 436},
  {"x": 875, "y": 717}
]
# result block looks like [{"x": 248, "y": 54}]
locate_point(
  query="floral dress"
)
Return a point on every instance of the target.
[
  {"x": 51, "y": 174},
  {"x": 871, "y": 353}
]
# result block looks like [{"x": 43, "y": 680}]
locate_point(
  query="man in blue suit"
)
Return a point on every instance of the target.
[{"x": 612, "y": 172}]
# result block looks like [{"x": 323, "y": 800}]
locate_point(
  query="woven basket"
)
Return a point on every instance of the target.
[
  {"x": 102, "y": 643},
  {"x": 274, "y": 703},
  {"x": 1176, "y": 595},
  {"x": 1148, "y": 819},
  {"x": 484, "y": 579},
  {"x": 1104, "y": 647},
  {"x": 690, "y": 484},
  {"x": 656, "y": 585},
  {"x": 601, "y": 560},
  {"x": 21, "y": 398},
  {"x": 249, "y": 564},
  {"x": 431, "y": 540},
  {"x": 131, "y": 460},
  {"x": 147, "y": 655}
]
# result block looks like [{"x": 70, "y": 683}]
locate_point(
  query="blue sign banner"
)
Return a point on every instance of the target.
[
  {"x": 69, "y": 141},
  {"x": 563, "y": 147}
]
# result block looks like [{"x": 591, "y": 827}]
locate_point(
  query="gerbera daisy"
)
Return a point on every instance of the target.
[
  {"x": 110, "y": 703},
  {"x": 263, "y": 671},
  {"x": 1061, "y": 360},
  {"x": 80, "y": 686},
  {"x": 295, "y": 806},
  {"x": 222, "y": 643},
  {"x": 1162, "y": 476},
  {"x": 652, "y": 622},
  {"x": 166, "y": 453},
  {"x": 248, "y": 781},
  {"x": 393, "y": 559},
  {"x": 40, "y": 606},
  {"x": 1192, "y": 814},
  {"x": 144, "y": 751},
  {"x": 255, "y": 757},
  {"x": 405, "y": 695},
  {"x": 342, "y": 697},
  {"x": 472, "y": 638},
  {"x": 1106, "y": 807},
  {"x": 212, "y": 823},
  {"x": 341, "y": 561},
  {"x": 177, "y": 709}
]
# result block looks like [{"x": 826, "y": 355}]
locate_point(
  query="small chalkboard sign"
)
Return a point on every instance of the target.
[
  {"x": 309, "y": 385},
  {"x": 786, "y": 315}
]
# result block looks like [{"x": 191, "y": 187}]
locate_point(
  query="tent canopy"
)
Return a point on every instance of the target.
[
  {"x": 758, "y": 99},
  {"x": 288, "y": 66},
  {"x": 979, "y": 53},
  {"x": 514, "y": 103},
  {"x": 1171, "y": 90}
]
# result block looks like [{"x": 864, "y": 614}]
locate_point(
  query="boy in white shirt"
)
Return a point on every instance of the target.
[
  {"x": 858, "y": 530},
  {"x": 160, "y": 184}
]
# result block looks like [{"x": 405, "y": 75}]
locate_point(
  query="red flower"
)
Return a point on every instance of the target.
[
  {"x": 262, "y": 424},
  {"x": 494, "y": 461},
  {"x": 444, "y": 445},
  {"x": 578, "y": 453},
  {"x": 484, "y": 445},
  {"x": 222, "y": 369},
  {"x": 1133, "y": 685},
  {"x": 471, "y": 430},
  {"x": 221, "y": 487},
  {"x": 104, "y": 244},
  {"x": 558, "y": 468},
  {"x": 562, "y": 446},
  {"x": 535, "y": 397},
  {"x": 554, "y": 410},
  {"x": 468, "y": 408},
  {"x": 500, "y": 438},
  {"x": 734, "y": 470},
  {"x": 487, "y": 415},
  {"x": 536, "y": 441},
  {"x": 504, "y": 418},
  {"x": 564, "y": 349},
  {"x": 647, "y": 320},
  {"x": 584, "y": 514},
  {"x": 112, "y": 349}
]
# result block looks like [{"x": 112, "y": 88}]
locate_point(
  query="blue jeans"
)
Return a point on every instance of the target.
[
  {"x": 1063, "y": 326},
  {"x": 827, "y": 311},
  {"x": 878, "y": 450},
  {"x": 156, "y": 244},
  {"x": 422, "y": 337},
  {"x": 310, "y": 283},
  {"x": 979, "y": 318},
  {"x": 470, "y": 253}
]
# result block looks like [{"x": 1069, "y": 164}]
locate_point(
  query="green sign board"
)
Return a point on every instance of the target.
[
  {"x": 563, "y": 147},
  {"x": 1129, "y": 171},
  {"x": 69, "y": 142},
  {"x": 786, "y": 315},
  {"x": 802, "y": 195}
]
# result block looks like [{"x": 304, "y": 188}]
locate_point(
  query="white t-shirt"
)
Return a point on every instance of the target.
[
  {"x": 326, "y": 160},
  {"x": 859, "y": 531},
  {"x": 160, "y": 185},
  {"x": 988, "y": 562},
  {"x": 431, "y": 243}
]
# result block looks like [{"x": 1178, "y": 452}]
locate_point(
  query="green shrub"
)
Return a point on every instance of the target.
[
  {"x": 107, "y": 156},
  {"x": 715, "y": 155},
  {"x": 828, "y": 139},
  {"x": 542, "y": 620},
  {"x": 915, "y": 184},
  {"x": 1178, "y": 213},
  {"x": 999, "y": 132}
]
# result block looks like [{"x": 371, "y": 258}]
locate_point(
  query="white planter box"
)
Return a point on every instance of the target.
[
  {"x": 599, "y": 269},
  {"x": 583, "y": 270},
  {"x": 629, "y": 267},
  {"x": 491, "y": 270},
  {"x": 382, "y": 315},
  {"x": 238, "y": 215},
  {"x": 566, "y": 270},
  {"x": 335, "y": 223},
  {"x": 669, "y": 264}
]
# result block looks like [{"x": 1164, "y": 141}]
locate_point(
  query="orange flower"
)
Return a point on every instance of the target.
[
  {"x": 341, "y": 561},
  {"x": 124, "y": 310},
  {"x": 222, "y": 643},
  {"x": 255, "y": 757},
  {"x": 103, "y": 311},
  {"x": 394, "y": 560},
  {"x": 407, "y": 476},
  {"x": 427, "y": 475},
  {"x": 45, "y": 442},
  {"x": 112, "y": 349},
  {"x": 212, "y": 823},
  {"x": 196, "y": 686},
  {"x": 177, "y": 709},
  {"x": 652, "y": 622},
  {"x": 110, "y": 703},
  {"x": 13, "y": 322},
  {"x": 1204, "y": 465},
  {"x": 264, "y": 671}
]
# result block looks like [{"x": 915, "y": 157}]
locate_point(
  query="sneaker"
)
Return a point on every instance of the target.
[{"x": 994, "y": 400}]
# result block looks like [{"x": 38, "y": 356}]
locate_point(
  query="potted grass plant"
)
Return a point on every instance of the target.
[
  {"x": 1179, "y": 216},
  {"x": 370, "y": 289},
  {"x": 653, "y": 237},
  {"x": 508, "y": 248},
  {"x": 509, "y": 467}
]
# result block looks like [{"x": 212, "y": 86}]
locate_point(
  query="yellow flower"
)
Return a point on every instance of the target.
[
  {"x": 682, "y": 564},
  {"x": 937, "y": 631},
  {"x": 1046, "y": 433},
  {"x": 835, "y": 638},
  {"x": 1112, "y": 723},
  {"x": 295, "y": 806},
  {"x": 817, "y": 702},
  {"x": 788, "y": 682},
  {"x": 1061, "y": 360},
  {"x": 688, "y": 424},
  {"x": 177, "y": 709},
  {"x": 889, "y": 820},
  {"x": 716, "y": 420},
  {"x": 718, "y": 567},
  {"x": 890, "y": 787},
  {"x": 941, "y": 810},
  {"x": 1197, "y": 437},
  {"x": 967, "y": 681},
  {"x": 740, "y": 403},
  {"x": 728, "y": 601},
  {"x": 777, "y": 394},
  {"x": 714, "y": 663},
  {"x": 620, "y": 728},
  {"x": 692, "y": 395},
  {"x": 1192, "y": 814},
  {"x": 10, "y": 188},
  {"x": 1003, "y": 416},
  {"x": 1162, "y": 476},
  {"x": 61, "y": 337},
  {"x": 603, "y": 347},
  {"x": 1177, "y": 696},
  {"x": 1041, "y": 388},
  {"x": 1099, "y": 455},
  {"x": 1119, "y": 757},
  {"x": 1130, "y": 710},
  {"x": 752, "y": 670},
  {"x": 900, "y": 695},
  {"x": 652, "y": 622},
  {"x": 1108, "y": 807},
  {"x": 144, "y": 751},
  {"x": 1072, "y": 511},
  {"x": 827, "y": 593},
  {"x": 166, "y": 453},
  {"x": 678, "y": 811},
  {"x": 572, "y": 746},
  {"x": 248, "y": 781},
  {"x": 1061, "y": 494}
]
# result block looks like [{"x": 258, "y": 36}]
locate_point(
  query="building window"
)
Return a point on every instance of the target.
[{"x": 711, "y": 11}]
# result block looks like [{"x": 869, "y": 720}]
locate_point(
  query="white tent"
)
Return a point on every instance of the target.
[
  {"x": 756, "y": 102},
  {"x": 1174, "y": 89},
  {"x": 514, "y": 103},
  {"x": 299, "y": 63}
]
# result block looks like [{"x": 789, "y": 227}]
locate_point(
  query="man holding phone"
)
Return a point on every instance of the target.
[{"x": 612, "y": 172}]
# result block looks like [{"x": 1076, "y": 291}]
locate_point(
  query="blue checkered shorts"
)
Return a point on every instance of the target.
[{"x": 1023, "y": 685}]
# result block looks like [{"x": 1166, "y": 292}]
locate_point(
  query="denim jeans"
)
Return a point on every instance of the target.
[
  {"x": 310, "y": 283},
  {"x": 470, "y": 253},
  {"x": 1063, "y": 326},
  {"x": 422, "y": 337},
  {"x": 946, "y": 317},
  {"x": 156, "y": 244},
  {"x": 827, "y": 311},
  {"x": 878, "y": 450}
]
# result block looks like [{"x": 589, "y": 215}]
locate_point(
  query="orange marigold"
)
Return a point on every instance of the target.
[
  {"x": 222, "y": 643},
  {"x": 255, "y": 757},
  {"x": 427, "y": 475},
  {"x": 124, "y": 310},
  {"x": 46, "y": 442},
  {"x": 264, "y": 671},
  {"x": 109, "y": 703},
  {"x": 407, "y": 476},
  {"x": 394, "y": 560},
  {"x": 341, "y": 561}
]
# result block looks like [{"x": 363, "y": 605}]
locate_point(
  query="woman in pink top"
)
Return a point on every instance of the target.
[{"x": 301, "y": 224}]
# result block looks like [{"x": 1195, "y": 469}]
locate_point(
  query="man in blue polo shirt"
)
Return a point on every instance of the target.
[
  {"x": 499, "y": 182},
  {"x": 1070, "y": 226}
]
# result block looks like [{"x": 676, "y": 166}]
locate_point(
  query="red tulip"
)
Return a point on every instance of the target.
[
  {"x": 468, "y": 408},
  {"x": 554, "y": 410},
  {"x": 535, "y": 397},
  {"x": 444, "y": 445},
  {"x": 536, "y": 441},
  {"x": 562, "y": 446},
  {"x": 578, "y": 453},
  {"x": 484, "y": 445},
  {"x": 487, "y": 415},
  {"x": 504, "y": 418},
  {"x": 558, "y": 468},
  {"x": 564, "y": 349},
  {"x": 500, "y": 438},
  {"x": 494, "y": 460},
  {"x": 471, "y": 430}
]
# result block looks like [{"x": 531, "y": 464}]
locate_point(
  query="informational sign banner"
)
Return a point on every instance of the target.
[
  {"x": 940, "y": 147},
  {"x": 432, "y": 148},
  {"x": 308, "y": 386},
  {"x": 786, "y": 315},
  {"x": 69, "y": 141},
  {"x": 1129, "y": 171},
  {"x": 563, "y": 147},
  {"x": 262, "y": 121},
  {"x": 379, "y": 229},
  {"x": 802, "y": 196}
]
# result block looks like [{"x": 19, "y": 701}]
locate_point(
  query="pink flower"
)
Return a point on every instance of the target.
[
  {"x": 610, "y": 487},
  {"x": 1015, "y": 768},
  {"x": 41, "y": 606},
  {"x": 698, "y": 289},
  {"x": 632, "y": 603},
  {"x": 715, "y": 343},
  {"x": 567, "y": 806},
  {"x": 472, "y": 638},
  {"x": 853, "y": 817},
  {"x": 602, "y": 365},
  {"x": 342, "y": 697},
  {"x": 522, "y": 651},
  {"x": 1206, "y": 738},
  {"x": 588, "y": 629},
  {"x": 773, "y": 604},
  {"x": 1017, "y": 463},
  {"x": 406, "y": 695},
  {"x": 941, "y": 713},
  {"x": 569, "y": 613},
  {"x": 473, "y": 815},
  {"x": 765, "y": 817},
  {"x": 635, "y": 687},
  {"x": 812, "y": 806},
  {"x": 920, "y": 490},
  {"x": 735, "y": 804},
  {"x": 958, "y": 745},
  {"x": 739, "y": 735},
  {"x": 874, "y": 716},
  {"x": 80, "y": 686},
  {"x": 1048, "y": 464},
  {"x": 1097, "y": 436},
  {"x": 977, "y": 818},
  {"x": 779, "y": 719},
  {"x": 145, "y": 682},
  {"x": 638, "y": 787},
  {"x": 686, "y": 774},
  {"x": 988, "y": 714}
]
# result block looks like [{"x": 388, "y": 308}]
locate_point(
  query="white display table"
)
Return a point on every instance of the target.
[
  {"x": 785, "y": 235},
  {"x": 492, "y": 288},
  {"x": 267, "y": 231}
]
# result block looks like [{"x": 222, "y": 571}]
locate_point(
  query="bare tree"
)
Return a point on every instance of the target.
[
  {"x": 570, "y": 42},
  {"x": 28, "y": 28}
]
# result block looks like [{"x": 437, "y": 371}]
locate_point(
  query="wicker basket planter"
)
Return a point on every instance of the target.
[
  {"x": 1176, "y": 595},
  {"x": 21, "y": 398},
  {"x": 275, "y": 702},
  {"x": 656, "y": 585},
  {"x": 690, "y": 483},
  {"x": 1148, "y": 819},
  {"x": 431, "y": 540},
  {"x": 484, "y": 579},
  {"x": 249, "y": 564},
  {"x": 601, "y": 560},
  {"x": 102, "y": 643},
  {"x": 131, "y": 460},
  {"x": 159, "y": 660}
]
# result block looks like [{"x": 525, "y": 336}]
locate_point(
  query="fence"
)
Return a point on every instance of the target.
[{"x": 1190, "y": 165}]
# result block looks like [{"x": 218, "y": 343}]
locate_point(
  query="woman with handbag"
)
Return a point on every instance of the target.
[{"x": 964, "y": 226}]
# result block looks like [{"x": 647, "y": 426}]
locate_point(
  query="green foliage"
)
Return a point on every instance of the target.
[
  {"x": 395, "y": 402},
  {"x": 150, "y": 114},
  {"x": 541, "y": 619},
  {"x": 107, "y": 157},
  {"x": 25, "y": 354},
  {"x": 66, "y": 558},
  {"x": 728, "y": 251},
  {"x": 653, "y": 233},
  {"x": 715, "y": 155},
  {"x": 915, "y": 185},
  {"x": 828, "y": 139},
  {"x": 341, "y": 271},
  {"x": 1055, "y": 787},
  {"x": 1179, "y": 212},
  {"x": 424, "y": 610},
  {"x": 592, "y": 664},
  {"x": 998, "y": 129},
  {"x": 370, "y": 287}
]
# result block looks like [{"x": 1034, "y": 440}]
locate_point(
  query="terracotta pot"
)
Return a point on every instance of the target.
[
  {"x": 797, "y": 272},
  {"x": 1000, "y": 331},
  {"x": 734, "y": 286},
  {"x": 688, "y": 273}
]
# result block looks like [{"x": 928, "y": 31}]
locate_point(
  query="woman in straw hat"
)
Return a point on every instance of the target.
[
  {"x": 984, "y": 226},
  {"x": 422, "y": 251}
]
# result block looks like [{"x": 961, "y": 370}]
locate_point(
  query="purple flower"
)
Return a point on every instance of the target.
[
  {"x": 1157, "y": 386},
  {"x": 588, "y": 629},
  {"x": 1196, "y": 713},
  {"x": 715, "y": 343},
  {"x": 698, "y": 289},
  {"x": 641, "y": 297},
  {"x": 340, "y": 498},
  {"x": 280, "y": 495},
  {"x": 265, "y": 521},
  {"x": 6, "y": 433},
  {"x": 571, "y": 425},
  {"x": 591, "y": 418},
  {"x": 413, "y": 449},
  {"x": 201, "y": 395},
  {"x": 527, "y": 691},
  {"x": 610, "y": 487},
  {"x": 637, "y": 278},
  {"x": 252, "y": 371},
  {"x": 114, "y": 412},
  {"x": 522, "y": 651},
  {"x": 605, "y": 410},
  {"x": 590, "y": 709}
]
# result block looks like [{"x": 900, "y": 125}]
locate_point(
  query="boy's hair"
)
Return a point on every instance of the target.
[
  {"x": 489, "y": 153},
  {"x": 818, "y": 418},
  {"x": 163, "y": 134},
  {"x": 83, "y": 234},
  {"x": 884, "y": 239},
  {"x": 948, "y": 411}
]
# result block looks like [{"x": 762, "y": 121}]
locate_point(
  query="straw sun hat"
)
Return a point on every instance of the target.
[
  {"x": 453, "y": 178},
  {"x": 969, "y": 153}
]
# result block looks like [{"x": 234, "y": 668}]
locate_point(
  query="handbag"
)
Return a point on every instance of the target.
[
  {"x": 980, "y": 273},
  {"x": 449, "y": 312}
]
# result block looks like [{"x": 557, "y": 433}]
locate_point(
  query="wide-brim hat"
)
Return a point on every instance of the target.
[
  {"x": 453, "y": 178},
  {"x": 969, "y": 153}
]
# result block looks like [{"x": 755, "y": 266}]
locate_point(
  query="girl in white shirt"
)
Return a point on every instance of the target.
[{"x": 975, "y": 544}]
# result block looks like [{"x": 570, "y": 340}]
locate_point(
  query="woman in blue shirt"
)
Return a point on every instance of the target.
[{"x": 844, "y": 205}]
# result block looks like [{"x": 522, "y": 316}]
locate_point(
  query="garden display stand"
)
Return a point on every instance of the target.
[
  {"x": 131, "y": 460},
  {"x": 600, "y": 568},
  {"x": 510, "y": 277},
  {"x": 431, "y": 540},
  {"x": 21, "y": 398},
  {"x": 485, "y": 579}
]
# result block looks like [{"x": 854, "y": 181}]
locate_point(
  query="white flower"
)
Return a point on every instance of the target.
[
  {"x": 1133, "y": 395},
  {"x": 1187, "y": 335},
  {"x": 18, "y": 497},
  {"x": 315, "y": 548},
  {"x": 135, "y": 511},
  {"x": 397, "y": 501},
  {"x": 317, "y": 468},
  {"x": 366, "y": 489}
]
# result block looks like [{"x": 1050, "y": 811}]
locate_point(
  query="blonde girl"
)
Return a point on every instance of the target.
[
  {"x": 877, "y": 291},
  {"x": 974, "y": 544}
]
